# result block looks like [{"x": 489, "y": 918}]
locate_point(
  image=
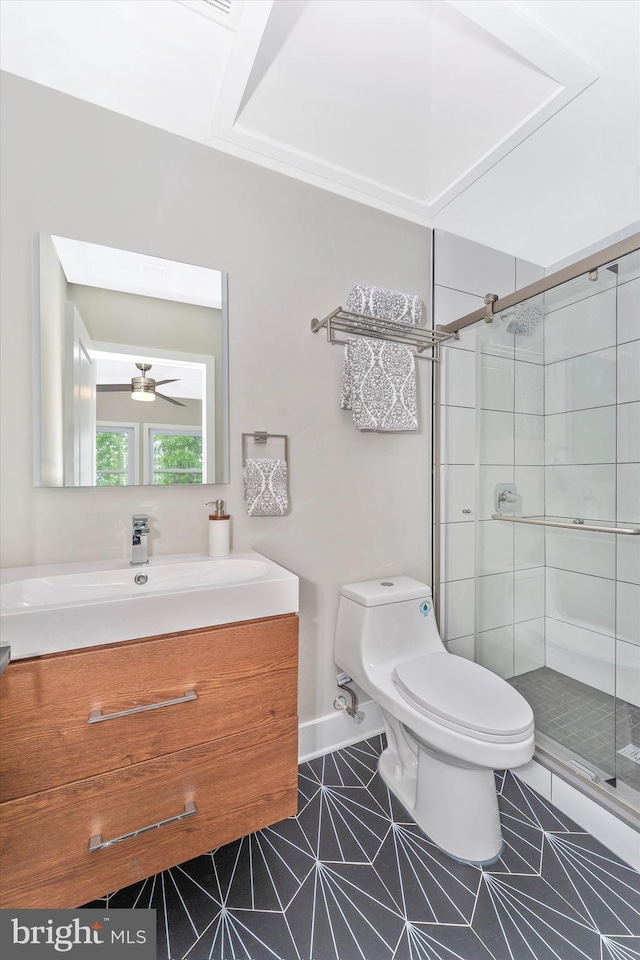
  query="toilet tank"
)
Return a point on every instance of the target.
[{"x": 382, "y": 621}]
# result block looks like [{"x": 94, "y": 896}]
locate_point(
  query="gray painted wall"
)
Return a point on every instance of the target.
[{"x": 360, "y": 502}]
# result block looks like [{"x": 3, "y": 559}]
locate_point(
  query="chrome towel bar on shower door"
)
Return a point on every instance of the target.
[{"x": 571, "y": 525}]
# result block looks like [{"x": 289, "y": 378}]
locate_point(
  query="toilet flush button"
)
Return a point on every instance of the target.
[{"x": 386, "y": 583}]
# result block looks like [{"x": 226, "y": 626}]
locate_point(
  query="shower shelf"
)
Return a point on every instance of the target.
[
  {"x": 363, "y": 325},
  {"x": 570, "y": 525}
]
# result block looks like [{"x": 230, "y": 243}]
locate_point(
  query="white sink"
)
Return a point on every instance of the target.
[{"x": 69, "y": 606}]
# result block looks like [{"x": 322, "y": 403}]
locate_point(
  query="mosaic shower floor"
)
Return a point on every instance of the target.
[
  {"x": 352, "y": 877},
  {"x": 590, "y": 724}
]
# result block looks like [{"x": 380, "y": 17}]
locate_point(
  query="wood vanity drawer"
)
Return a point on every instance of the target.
[
  {"x": 238, "y": 785},
  {"x": 243, "y": 675}
]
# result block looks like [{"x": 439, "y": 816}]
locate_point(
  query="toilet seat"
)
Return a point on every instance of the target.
[{"x": 464, "y": 696}]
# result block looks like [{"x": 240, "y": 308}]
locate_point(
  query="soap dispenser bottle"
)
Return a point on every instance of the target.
[{"x": 219, "y": 529}]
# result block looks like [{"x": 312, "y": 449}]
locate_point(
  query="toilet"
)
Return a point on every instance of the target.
[{"x": 449, "y": 722}]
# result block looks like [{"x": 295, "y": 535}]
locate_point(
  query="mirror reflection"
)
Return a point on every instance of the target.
[{"x": 133, "y": 368}]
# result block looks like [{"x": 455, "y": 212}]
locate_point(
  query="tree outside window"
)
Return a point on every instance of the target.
[
  {"x": 175, "y": 455},
  {"x": 114, "y": 456}
]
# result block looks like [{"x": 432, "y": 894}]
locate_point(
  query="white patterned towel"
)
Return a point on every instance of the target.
[
  {"x": 265, "y": 487},
  {"x": 380, "y": 387},
  {"x": 378, "y": 377},
  {"x": 386, "y": 304}
]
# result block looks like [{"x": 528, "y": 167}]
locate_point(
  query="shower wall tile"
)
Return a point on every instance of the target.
[
  {"x": 497, "y": 390},
  {"x": 529, "y": 439},
  {"x": 529, "y": 347},
  {"x": 629, "y": 432},
  {"x": 628, "y": 559},
  {"x": 497, "y": 441},
  {"x": 495, "y": 547},
  {"x": 471, "y": 267},
  {"x": 628, "y": 612},
  {"x": 459, "y": 435},
  {"x": 528, "y": 646},
  {"x": 463, "y": 647},
  {"x": 488, "y": 477},
  {"x": 585, "y": 492},
  {"x": 528, "y": 546},
  {"x": 450, "y": 304},
  {"x": 628, "y": 367},
  {"x": 529, "y": 388},
  {"x": 581, "y": 654},
  {"x": 529, "y": 601},
  {"x": 530, "y": 486},
  {"x": 582, "y": 327},
  {"x": 495, "y": 651},
  {"x": 585, "y": 436},
  {"x": 629, "y": 493},
  {"x": 495, "y": 601},
  {"x": 458, "y": 547},
  {"x": 628, "y": 673},
  {"x": 582, "y": 552},
  {"x": 587, "y": 602},
  {"x": 581, "y": 382},
  {"x": 459, "y": 375},
  {"x": 629, "y": 268},
  {"x": 496, "y": 341},
  {"x": 458, "y": 492},
  {"x": 459, "y": 602},
  {"x": 527, "y": 273},
  {"x": 579, "y": 290},
  {"x": 629, "y": 311}
]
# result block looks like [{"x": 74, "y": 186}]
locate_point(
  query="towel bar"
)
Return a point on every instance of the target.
[
  {"x": 363, "y": 325},
  {"x": 571, "y": 525}
]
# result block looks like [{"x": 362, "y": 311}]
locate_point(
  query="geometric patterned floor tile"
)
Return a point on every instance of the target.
[{"x": 352, "y": 877}]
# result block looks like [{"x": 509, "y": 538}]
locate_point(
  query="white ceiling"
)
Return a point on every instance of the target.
[
  {"x": 516, "y": 124},
  {"x": 111, "y": 269}
]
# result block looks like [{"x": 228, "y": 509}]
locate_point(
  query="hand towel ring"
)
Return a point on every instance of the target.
[{"x": 261, "y": 436}]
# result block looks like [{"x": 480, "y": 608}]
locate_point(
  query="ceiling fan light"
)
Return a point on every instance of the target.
[
  {"x": 143, "y": 388},
  {"x": 143, "y": 392}
]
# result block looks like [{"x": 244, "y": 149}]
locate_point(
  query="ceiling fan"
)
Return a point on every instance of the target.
[{"x": 140, "y": 388}]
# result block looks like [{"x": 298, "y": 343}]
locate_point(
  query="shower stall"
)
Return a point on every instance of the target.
[{"x": 553, "y": 525}]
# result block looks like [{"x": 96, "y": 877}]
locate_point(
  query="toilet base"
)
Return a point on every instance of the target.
[{"x": 456, "y": 805}]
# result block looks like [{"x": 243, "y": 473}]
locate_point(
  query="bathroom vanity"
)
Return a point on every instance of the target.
[{"x": 122, "y": 759}]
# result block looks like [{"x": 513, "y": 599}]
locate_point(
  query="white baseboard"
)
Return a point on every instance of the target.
[{"x": 337, "y": 730}]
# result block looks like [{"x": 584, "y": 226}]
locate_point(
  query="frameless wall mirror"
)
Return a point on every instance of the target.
[{"x": 131, "y": 371}]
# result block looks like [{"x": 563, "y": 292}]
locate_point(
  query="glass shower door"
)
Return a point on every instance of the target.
[{"x": 558, "y": 432}]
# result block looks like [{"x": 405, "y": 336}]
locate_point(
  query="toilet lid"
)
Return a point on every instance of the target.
[{"x": 463, "y": 693}]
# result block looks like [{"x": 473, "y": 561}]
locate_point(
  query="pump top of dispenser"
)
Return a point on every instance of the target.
[{"x": 218, "y": 512}]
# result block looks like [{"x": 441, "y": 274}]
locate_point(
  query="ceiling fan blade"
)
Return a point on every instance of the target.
[
  {"x": 170, "y": 399},
  {"x": 158, "y": 382},
  {"x": 111, "y": 387}
]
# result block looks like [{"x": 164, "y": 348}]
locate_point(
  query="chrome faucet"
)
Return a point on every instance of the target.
[{"x": 139, "y": 540}]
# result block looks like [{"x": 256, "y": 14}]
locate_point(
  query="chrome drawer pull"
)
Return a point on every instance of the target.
[
  {"x": 97, "y": 843},
  {"x": 96, "y": 716}
]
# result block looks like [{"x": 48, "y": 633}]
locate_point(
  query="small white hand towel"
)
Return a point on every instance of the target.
[
  {"x": 265, "y": 487},
  {"x": 381, "y": 387}
]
